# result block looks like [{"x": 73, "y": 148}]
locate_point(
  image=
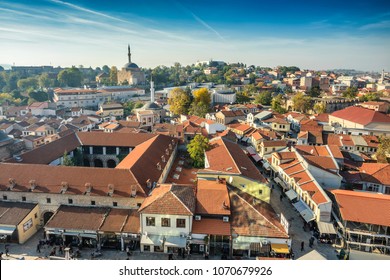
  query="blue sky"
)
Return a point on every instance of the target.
[{"x": 309, "y": 34}]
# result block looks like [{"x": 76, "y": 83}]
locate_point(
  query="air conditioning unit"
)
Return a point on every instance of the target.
[
  {"x": 226, "y": 219},
  {"x": 198, "y": 218},
  {"x": 182, "y": 235}
]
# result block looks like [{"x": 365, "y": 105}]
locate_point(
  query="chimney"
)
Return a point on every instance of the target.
[
  {"x": 32, "y": 185},
  {"x": 110, "y": 189},
  {"x": 170, "y": 146},
  {"x": 311, "y": 151},
  {"x": 163, "y": 158},
  {"x": 158, "y": 166},
  {"x": 12, "y": 183},
  {"x": 149, "y": 183},
  {"x": 133, "y": 191},
  {"x": 224, "y": 205},
  {"x": 167, "y": 152},
  {"x": 88, "y": 188},
  {"x": 64, "y": 187}
]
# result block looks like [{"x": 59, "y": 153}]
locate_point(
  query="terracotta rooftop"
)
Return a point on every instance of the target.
[
  {"x": 211, "y": 226},
  {"x": 49, "y": 179},
  {"x": 274, "y": 143},
  {"x": 363, "y": 207},
  {"x": 227, "y": 157},
  {"x": 315, "y": 192},
  {"x": 170, "y": 200},
  {"x": 117, "y": 219},
  {"x": 361, "y": 115},
  {"x": 285, "y": 155},
  {"x": 12, "y": 213},
  {"x": 147, "y": 156},
  {"x": 324, "y": 117},
  {"x": 212, "y": 198},
  {"x": 325, "y": 163},
  {"x": 254, "y": 219},
  {"x": 77, "y": 218},
  {"x": 47, "y": 153},
  {"x": 113, "y": 139},
  {"x": 335, "y": 150},
  {"x": 375, "y": 173}
]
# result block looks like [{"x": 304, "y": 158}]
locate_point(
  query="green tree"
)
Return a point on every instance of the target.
[
  {"x": 314, "y": 91},
  {"x": 383, "y": 152},
  {"x": 39, "y": 96},
  {"x": 179, "y": 102},
  {"x": 199, "y": 109},
  {"x": 196, "y": 149},
  {"x": 114, "y": 75},
  {"x": 28, "y": 83},
  {"x": 372, "y": 96},
  {"x": 138, "y": 105},
  {"x": 106, "y": 69},
  {"x": 320, "y": 108},
  {"x": 350, "y": 92},
  {"x": 71, "y": 77},
  {"x": 45, "y": 81},
  {"x": 128, "y": 108},
  {"x": 240, "y": 98},
  {"x": 276, "y": 104},
  {"x": 302, "y": 103},
  {"x": 264, "y": 98},
  {"x": 67, "y": 160}
]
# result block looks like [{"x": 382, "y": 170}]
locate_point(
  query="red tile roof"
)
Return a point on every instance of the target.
[
  {"x": 227, "y": 157},
  {"x": 13, "y": 213},
  {"x": 363, "y": 207},
  {"x": 376, "y": 173},
  {"x": 212, "y": 198},
  {"x": 47, "y": 153},
  {"x": 170, "y": 200},
  {"x": 250, "y": 218},
  {"x": 274, "y": 143},
  {"x": 113, "y": 139},
  {"x": 117, "y": 219},
  {"x": 49, "y": 179},
  {"x": 146, "y": 156},
  {"x": 361, "y": 115},
  {"x": 77, "y": 218},
  {"x": 211, "y": 226},
  {"x": 315, "y": 192}
]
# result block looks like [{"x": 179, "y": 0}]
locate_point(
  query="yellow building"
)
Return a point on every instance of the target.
[{"x": 18, "y": 221}]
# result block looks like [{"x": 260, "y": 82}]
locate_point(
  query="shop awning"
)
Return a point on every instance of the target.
[
  {"x": 155, "y": 240},
  {"x": 175, "y": 241},
  {"x": 281, "y": 183},
  {"x": 266, "y": 165},
  {"x": 291, "y": 194},
  {"x": 280, "y": 248},
  {"x": 299, "y": 206},
  {"x": 326, "y": 228},
  {"x": 304, "y": 210},
  {"x": 277, "y": 180},
  {"x": 241, "y": 246},
  {"x": 253, "y": 153},
  {"x": 7, "y": 230},
  {"x": 307, "y": 215}
]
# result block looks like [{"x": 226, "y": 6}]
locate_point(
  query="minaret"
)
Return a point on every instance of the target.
[
  {"x": 129, "y": 53},
  {"x": 383, "y": 76},
  {"x": 151, "y": 90}
]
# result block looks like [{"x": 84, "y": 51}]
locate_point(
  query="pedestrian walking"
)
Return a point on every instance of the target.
[
  {"x": 302, "y": 246},
  {"x": 61, "y": 250},
  {"x": 311, "y": 242},
  {"x": 281, "y": 197},
  {"x": 7, "y": 250},
  {"x": 39, "y": 248}
]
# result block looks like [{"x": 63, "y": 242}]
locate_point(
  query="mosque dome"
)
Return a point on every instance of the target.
[
  {"x": 151, "y": 106},
  {"x": 130, "y": 65}
]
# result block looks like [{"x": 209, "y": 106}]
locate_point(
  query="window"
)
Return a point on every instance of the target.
[
  {"x": 165, "y": 222},
  {"x": 115, "y": 204},
  {"x": 260, "y": 192},
  {"x": 150, "y": 221},
  {"x": 93, "y": 202},
  {"x": 5, "y": 197},
  {"x": 48, "y": 200},
  {"x": 273, "y": 149},
  {"x": 36, "y": 215},
  {"x": 146, "y": 248},
  {"x": 70, "y": 201},
  {"x": 138, "y": 205},
  {"x": 242, "y": 186},
  {"x": 180, "y": 223},
  {"x": 23, "y": 198}
]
